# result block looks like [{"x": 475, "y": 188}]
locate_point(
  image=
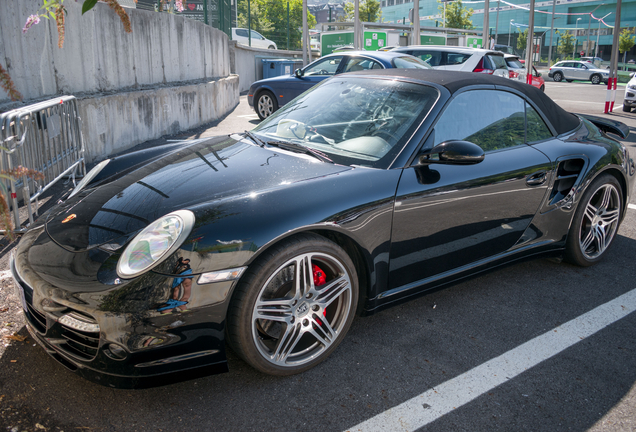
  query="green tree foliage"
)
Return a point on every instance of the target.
[
  {"x": 522, "y": 40},
  {"x": 269, "y": 17},
  {"x": 625, "y": 41},
  {"x": 566, "y": 44},
  {"x": 457, "y": 16},
  {"x": 369, "y": 11}
]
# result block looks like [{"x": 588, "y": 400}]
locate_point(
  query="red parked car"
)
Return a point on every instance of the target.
[{"x": 537, "y": 81}]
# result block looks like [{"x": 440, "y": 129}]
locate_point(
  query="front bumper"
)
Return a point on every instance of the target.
[
  {"x": 159, "y": 348},
  {"x": 630, "y": 98}
]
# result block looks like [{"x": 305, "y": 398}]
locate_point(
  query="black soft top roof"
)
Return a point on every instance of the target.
[{"x": 454, "y": 81}]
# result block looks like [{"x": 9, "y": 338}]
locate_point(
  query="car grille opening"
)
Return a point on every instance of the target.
[
  {"x": 80, "y": 344},
  {"x": 37, "y": 320}
]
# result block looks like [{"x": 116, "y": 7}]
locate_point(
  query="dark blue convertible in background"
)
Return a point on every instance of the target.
[{"x": 267, "y": 95}]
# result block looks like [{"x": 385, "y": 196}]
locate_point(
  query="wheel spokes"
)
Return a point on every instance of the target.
[
  {"x": 327, "y": 294},
  {"x": 287, "y": 343},
  {"x": 274, "y": 310}
]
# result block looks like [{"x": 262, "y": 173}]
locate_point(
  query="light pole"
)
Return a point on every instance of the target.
[
  {"x": 551, "y": 34},
  {"x": 587, "y": 48},
  {"x": 509, "y": 31},
  {"x": 497, "y": 22},
  {"x": 576, "y": 32},
  {"x": 598, "y": 33}
]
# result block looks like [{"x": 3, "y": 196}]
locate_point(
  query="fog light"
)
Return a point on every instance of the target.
[
  {"x": 221, "y": 275},
  {"x": 116, "y": 352},
  {"x": 79, "y": 322}
]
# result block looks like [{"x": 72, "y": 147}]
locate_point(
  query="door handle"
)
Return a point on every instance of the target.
[{"x": 537, "y": 178}]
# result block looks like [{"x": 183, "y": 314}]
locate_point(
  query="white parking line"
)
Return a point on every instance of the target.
[
  {"x": 436, "y": 402},
  {"x": 632, "y": 206}
]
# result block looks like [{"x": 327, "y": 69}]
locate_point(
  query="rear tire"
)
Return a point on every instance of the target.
[
  {"x": 266, "y": 104},
  {"x": 557, "y": 77},
  {"x": 595, "y": 222}
]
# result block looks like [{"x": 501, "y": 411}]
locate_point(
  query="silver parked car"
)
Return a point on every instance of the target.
[
  {"x": 629, "y": 101},
  {"x": 578, "y": 70},
  {"x": 459, "y": 58}
]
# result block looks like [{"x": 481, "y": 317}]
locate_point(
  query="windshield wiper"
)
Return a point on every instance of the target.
[
  {"x": 298, "y": 148},
  {"x": 253, "y": 137}
]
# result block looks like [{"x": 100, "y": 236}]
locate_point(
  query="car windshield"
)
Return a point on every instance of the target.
[{"x": 353, "y": 120}]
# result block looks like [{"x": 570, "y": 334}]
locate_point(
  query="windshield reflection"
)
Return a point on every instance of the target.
[{"x": 361, "y": 121}]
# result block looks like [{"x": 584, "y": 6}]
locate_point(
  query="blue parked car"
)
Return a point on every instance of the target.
[{"x": 267, "y": 95}]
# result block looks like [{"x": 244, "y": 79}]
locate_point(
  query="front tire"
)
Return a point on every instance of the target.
[
  {"x": 293, "y": 306},
  {"x": 266, "y": 104},
  {"x": 596, "y": 221},
  {"x": 557, "y": 77},
  {"x": 596, "y": 79}
]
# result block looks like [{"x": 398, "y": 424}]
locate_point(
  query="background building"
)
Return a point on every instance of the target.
[{"x": 570, "y": 15}]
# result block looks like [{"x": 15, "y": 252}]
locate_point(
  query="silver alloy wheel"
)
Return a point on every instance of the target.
[
  {"x": 558, "y": 76},
  {"x": 595, "y": 79},
  {"x": 600, "y": 221},
  {"x": 265, "y": 105},
  {"x": 293, "y": 320}
]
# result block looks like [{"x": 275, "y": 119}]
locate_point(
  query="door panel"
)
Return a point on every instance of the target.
[{"x": 449, "y": 216}]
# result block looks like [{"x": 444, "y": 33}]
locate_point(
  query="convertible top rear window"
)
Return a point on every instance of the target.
[{"x": 353, "y": 120}]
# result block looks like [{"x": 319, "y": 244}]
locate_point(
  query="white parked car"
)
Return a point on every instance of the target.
[
  {"x": 516, "y": 69},
  {"x": 630, "y": 95},
  {"x": 459, "y": 58},
  {"x": 578, "y": 70},
  {"x": 241, "y": 35}
]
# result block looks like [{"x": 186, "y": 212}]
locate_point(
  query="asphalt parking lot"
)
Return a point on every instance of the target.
[{"x": 536, "y": 346}]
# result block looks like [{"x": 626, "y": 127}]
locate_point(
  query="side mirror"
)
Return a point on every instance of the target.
[
  {"x": 299, "y": 73},
  {"x": 538, "y": 74},
  {"x": 453, "y": 153}
]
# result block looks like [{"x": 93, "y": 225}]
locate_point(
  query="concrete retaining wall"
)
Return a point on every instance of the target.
[
  {"x": 113, "y": 123},
  {"x": 170, "y": 74},
  {"x": 99, "y": 56}
]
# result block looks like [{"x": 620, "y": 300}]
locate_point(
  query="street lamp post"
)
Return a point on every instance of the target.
[
  {"x": 598, "y": 33},
  {"x": 551, "y": 34},
  {"x": 576, "y": 33},
  {"x": 587, "y": 48},
  {"x": 509, "y": 31}
]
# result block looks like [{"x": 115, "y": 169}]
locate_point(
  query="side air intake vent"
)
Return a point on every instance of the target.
[{"x": 568, "y": 172}]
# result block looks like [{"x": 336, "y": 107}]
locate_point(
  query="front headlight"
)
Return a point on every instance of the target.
[{"x": 155, "y": 242}]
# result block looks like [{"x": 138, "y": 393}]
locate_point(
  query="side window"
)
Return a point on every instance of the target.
[
  {"x": 241, "y": 32},
  {"x": 456, "y": 58},
  {"x": 327, "y": 66},
  {"x": 256, "y": 35},
  {"x": 537, "y": 129},
  {"x": 360, "y": 63},
  {"x": 491, "y": 119},
  {"x": 433, "y": 58}
]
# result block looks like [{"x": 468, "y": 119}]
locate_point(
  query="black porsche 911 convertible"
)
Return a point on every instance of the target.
[{"x": 367, "y": 190}]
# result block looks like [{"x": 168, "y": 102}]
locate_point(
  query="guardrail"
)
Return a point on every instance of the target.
[{"x": 46, "y": 137}]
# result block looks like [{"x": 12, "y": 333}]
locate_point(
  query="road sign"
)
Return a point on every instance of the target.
[
  {"x": 432, "y": 40},
  {"x": 331, "y": 41},
  {"x": 374, "y": 40},
  {"x": 474, "y": 42}
]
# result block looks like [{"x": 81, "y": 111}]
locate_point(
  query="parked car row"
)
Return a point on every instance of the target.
[{"x": 268, "y": 95}]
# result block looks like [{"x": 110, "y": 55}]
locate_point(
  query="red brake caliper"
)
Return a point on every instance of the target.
[{"x": 319, "y": 279}]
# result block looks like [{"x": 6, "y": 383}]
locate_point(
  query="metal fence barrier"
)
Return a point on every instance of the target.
[{"x": 46, "y": 137}]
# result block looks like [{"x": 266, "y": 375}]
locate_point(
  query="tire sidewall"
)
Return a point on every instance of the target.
[
  {"x": 559, "y": 75},
  {"x": 573, "y": 254},
  {"x": 251, "y": 285},
  {"x": 271, "y": 97}
]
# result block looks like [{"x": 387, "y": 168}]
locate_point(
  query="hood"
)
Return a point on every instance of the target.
[{"x": 212, "y": 170}]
